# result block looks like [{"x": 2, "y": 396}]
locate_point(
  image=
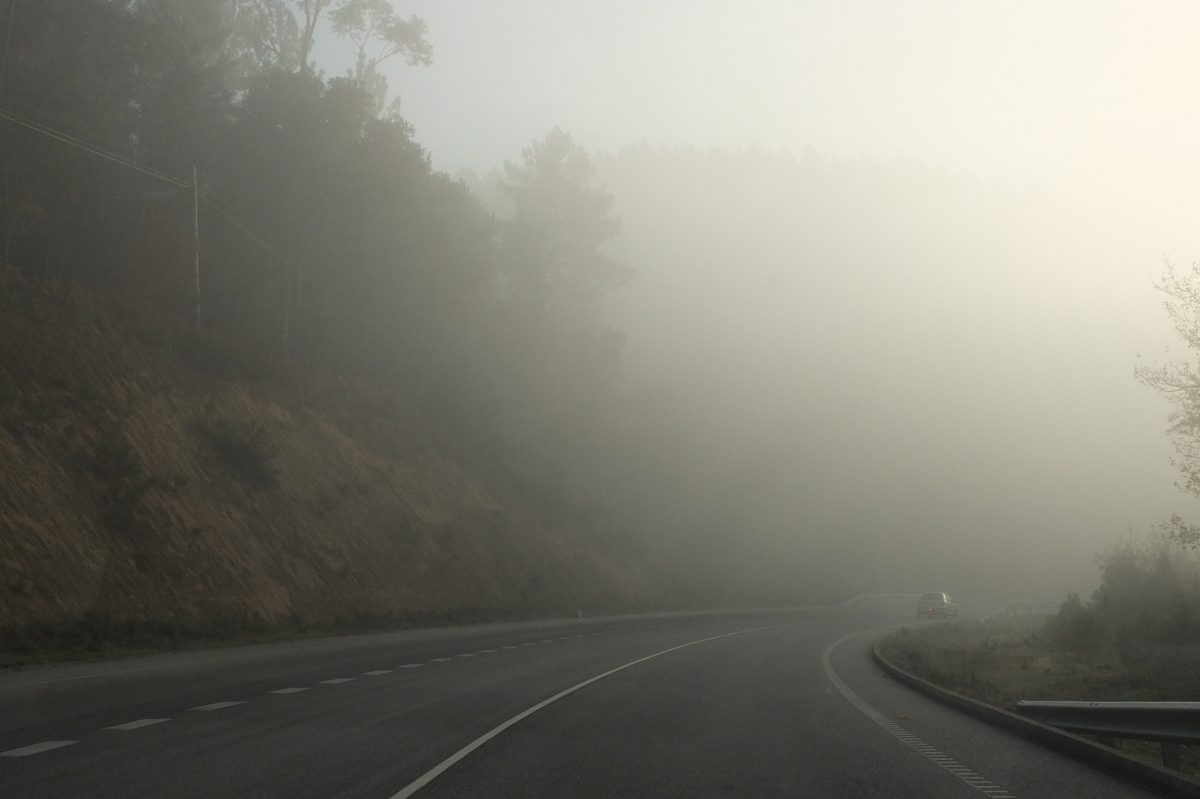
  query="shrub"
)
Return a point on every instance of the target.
[
  {"x": 247, "y": 447},
  {"x": 1075, "y": 627},
  {"x": 1149, "y": 595}
]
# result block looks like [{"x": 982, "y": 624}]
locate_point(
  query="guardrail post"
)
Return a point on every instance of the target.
[{"x": 1170, "y": 754}]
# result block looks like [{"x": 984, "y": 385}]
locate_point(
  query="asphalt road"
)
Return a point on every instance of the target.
[{"x": 723, "y": 705}]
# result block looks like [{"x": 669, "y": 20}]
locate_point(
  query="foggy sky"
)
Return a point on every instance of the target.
[
  {"x": 1086, "y": 97},
  {"x": 950, "y": 366}
]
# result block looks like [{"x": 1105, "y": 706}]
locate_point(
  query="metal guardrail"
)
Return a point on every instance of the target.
[
  {"x": 1168, "y": 723},
  {"x": 878, "y": 599},
  {"x": 1043, "y": 609}
]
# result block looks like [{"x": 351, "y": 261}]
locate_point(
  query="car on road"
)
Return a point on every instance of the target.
[{"x": 936, "y": 603}]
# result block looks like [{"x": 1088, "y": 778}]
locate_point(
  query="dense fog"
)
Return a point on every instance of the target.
[
  {"x": 788, "y": 301},
  {"x": 911, "y": 367}
]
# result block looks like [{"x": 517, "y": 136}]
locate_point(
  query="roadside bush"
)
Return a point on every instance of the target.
[
  {"x": 245, "y": 446},
  {"x": 1075, "y": 626},
  {"x": 1149, "y": 595}
]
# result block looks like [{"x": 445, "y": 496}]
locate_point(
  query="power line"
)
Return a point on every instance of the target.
[
  {"x": 194, "y": 185},
  {"x": 249, "y": 233},
  {"x": 126, "y": 162},
  {"x": 102, "y": 141},
  {"x": 71, "y": 140}
]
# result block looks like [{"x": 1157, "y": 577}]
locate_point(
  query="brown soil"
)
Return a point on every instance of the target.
[{"x": 159, "y": 479}]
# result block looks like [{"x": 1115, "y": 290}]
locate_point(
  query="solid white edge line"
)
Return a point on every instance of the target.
[
  {"x": 437, "y": 770},
  {"x": 981, "y": 784}
]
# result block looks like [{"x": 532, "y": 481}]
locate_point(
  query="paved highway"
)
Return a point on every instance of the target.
[{"x": 722, "y": 705}]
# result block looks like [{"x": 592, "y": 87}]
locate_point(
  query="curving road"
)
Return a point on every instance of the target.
[{"x": 780, "y": 703}]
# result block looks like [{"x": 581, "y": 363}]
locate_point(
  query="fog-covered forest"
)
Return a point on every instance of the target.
[{"x": 778, "y": 376}]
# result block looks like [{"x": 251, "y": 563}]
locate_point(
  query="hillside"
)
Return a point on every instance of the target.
[{"x": 152, "y": 475}]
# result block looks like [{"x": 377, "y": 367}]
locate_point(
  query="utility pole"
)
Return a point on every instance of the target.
[{"x": 196, "y": 236}]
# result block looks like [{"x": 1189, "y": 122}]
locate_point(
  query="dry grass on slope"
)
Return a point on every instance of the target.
[{"x": 170, "y": 478}]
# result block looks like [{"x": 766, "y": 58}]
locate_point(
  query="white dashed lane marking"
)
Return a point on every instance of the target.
[
  {"x": 46, "y": 746},
  {"x": 34, "y": 749},
  {"x": 217, "y": 706},
  {"x": 948, "y": 763},
  {"x": 133, "y": 725}
]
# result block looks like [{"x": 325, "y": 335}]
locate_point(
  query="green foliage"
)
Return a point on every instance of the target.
[
  {"x": 1075, "y": 627},
  {"x": 1149, "y": 595},
  {"x": 552, "y": 262},
  {"x": 1179, "y": 382},
  {"x": 245, "y": 446}
]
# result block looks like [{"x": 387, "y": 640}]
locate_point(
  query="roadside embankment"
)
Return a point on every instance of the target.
[{"x": 159, "y": 485}]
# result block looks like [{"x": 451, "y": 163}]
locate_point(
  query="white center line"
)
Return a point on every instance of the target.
[
  {"x": 377, "y": 672},
  {"x": 33, "y": 749},
  {"x": 949, "y": 764},
  {"x": 439, "y": 660},
  {"x": 412, "y": 665},
  {"x": 487, "y": 651},
  {"x": 433, "y": 773},
  {"x": 336, "y": 681},
  {"x": 133, "y": 725},
  {"x": 510, "y": 646},
  {"x": 217, "y": 706},
  {"x": 289, "y": 690},
  {"x": 465, "y": 655}
]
